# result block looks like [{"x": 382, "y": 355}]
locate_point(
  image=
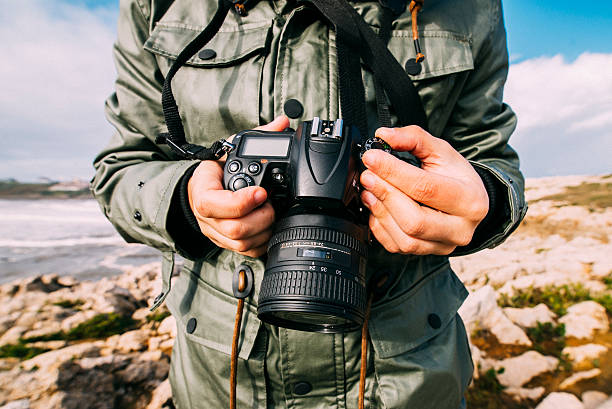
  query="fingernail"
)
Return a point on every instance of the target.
[
  {"x": 367, "y": 180},
  {"x": 260, "y": 196},
  {"x": 368, "y": 198}
]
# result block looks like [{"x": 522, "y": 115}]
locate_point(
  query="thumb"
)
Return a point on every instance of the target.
[{"x": 280, "y": 123}]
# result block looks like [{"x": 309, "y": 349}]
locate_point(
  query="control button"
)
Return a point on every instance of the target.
[
  {"x": 302, "y": 388},
  {"x": 191, "y": 325},
  {"x": 240, "y": 181},
  {"x": 207, "y": 54},
  {"x": 293, "y": 108},
  {"x": 234, "y": 166},
  {"x": 434, "y": 320},
  {"x": 254, "y": 168},
  {"x": 413, "y": 67},
  {"x": 137, "y": 215},
  {"x": 278, "y": 177}
]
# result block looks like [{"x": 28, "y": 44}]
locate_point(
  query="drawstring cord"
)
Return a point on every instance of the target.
[
  {"x": 415, "y": 7},
  {"x": 234, "y": 364}
]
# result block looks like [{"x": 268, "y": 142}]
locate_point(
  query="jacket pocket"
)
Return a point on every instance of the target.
[
  {"x": 218, "y": 89},
  {"x": 418, "y": 314},
  {"x": 206, "y": 315}
]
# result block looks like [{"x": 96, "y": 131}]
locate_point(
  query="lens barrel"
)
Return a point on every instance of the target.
[{"x": 315, "y": 275}]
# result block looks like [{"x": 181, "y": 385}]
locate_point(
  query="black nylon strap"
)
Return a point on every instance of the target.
[
  {"x": 171, "y": 112},
  {"x": 382, "y": 106}
]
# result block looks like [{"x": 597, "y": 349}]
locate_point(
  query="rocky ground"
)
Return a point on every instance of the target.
[{"x": 538, "y": 317}]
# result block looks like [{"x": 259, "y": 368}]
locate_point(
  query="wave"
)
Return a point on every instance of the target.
[{"x": 96, "y": 241}]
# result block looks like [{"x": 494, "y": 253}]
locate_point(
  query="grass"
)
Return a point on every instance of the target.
[
  {"x": 20, "y": 350},
  {"x": 557, "y": 298},
  {"x": 549, "y": 339},
  {"x": 69, "y": 303},
  {"x": 595, "y": 196},
  {"x": 158, "y": 316},
  {"x": 99, "y": 326}
]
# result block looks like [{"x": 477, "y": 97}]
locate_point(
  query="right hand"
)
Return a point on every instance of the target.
[{"x": 240, "y": 221}]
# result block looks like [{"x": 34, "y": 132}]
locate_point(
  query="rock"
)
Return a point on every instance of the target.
[
  {"x": 13, "y": 335},
  {"x": 135, "y": 340},
  {"x": 480, "y": 311},
  {"x": 140, "y": 371},
  {"x": 521, "y": 369},
  {"x": 525, "y": 393},
  {"x": 584, "y": 354},
  {"x": 76, "y": 319},
  {"x": 606, "y": 405},
  {"x": 529, "y": 317},
  {"x": 51, "y": 345},
  {"x": 584, "y": 319},
  {"x": 560, "y": 400},
  {"x": 46, "y": 328},
  {"x": 53, "y": 359},
  {"x": 168, "y": 326},
  {"x": 161, "y": 395},
  {"x": 477, "y": 356},
  {"x": 592, "y": 399},
  {"x": 141, "y": 314},
  {"x": 579, "y": 376},
  {"x": 18, "y": 404}
]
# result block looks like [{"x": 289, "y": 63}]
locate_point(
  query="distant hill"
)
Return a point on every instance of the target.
[{"x": 76, "y": 189}]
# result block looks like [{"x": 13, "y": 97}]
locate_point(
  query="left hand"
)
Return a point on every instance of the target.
[{"x": 427, "y": 210}]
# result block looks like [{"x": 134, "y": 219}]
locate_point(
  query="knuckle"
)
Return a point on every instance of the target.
[
  {"x": 201, "y": 208},
  {"x": 464, "y": 239},
  {"x": 424, "y": 190},
  {"x": 446, "y": 250},
  {"x": 242, "y": 246},
  {"x": 408, "y": 246},
  {"x": 233, "y": 230},
  {"x": 416, "y": 228}
]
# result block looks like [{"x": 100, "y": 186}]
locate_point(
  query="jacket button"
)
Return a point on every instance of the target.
[
  {"x": 207, "y": 54},
  {"x": 434, "y": 320},
  {"x": 191, "y": 325},
  {"x": 293, "y": 108},
  {"x": 302, "y": 388},
  {"x": 412, "y": 67},
  {"x": 137, "y": 215}
]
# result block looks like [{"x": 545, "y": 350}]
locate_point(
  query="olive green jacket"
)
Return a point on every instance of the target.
[{"x": 282, "y": 51}]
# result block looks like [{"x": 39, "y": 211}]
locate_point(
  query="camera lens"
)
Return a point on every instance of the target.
[{"x": 315, "y": 275}]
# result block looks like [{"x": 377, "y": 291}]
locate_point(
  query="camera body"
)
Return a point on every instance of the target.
[{"x": 315, "y": 269}]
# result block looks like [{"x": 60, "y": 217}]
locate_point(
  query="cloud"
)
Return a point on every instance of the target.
[
  {"x": 565, "y": 114},
  {"x": 56, "y": 72}
]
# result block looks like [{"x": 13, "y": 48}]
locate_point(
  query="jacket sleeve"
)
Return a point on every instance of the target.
[
  {"x": 479, "y": 128},
  {"x": 136, "y": 181}
]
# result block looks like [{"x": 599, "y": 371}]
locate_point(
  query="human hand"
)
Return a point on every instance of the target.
[
  {"x": 240, "y": 221},
  {"x": 427, "y": 210}
]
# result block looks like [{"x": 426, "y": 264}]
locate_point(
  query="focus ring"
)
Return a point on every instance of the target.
[
  {"x": 319, "y": 234},
  {"x": 332, "y": 288}
]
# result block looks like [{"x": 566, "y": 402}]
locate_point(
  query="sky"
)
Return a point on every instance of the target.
[{"x": 57, "y": 71}]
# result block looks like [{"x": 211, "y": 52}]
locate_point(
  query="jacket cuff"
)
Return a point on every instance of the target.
[
  {"x": 183, "y": 226},
  {"x": 506, "y": 210}
]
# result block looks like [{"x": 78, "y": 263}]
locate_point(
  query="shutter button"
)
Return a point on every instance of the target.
[
  {"x": 191, "y": 325},
  {"x": 207, "y": 54},
  {"x": 293, "y": 108},
  {"x": 302, "y": 388},
  {"x": 434, "y": 321}
]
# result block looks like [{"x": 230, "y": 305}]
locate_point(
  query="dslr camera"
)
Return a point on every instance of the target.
[{"x": 314, "y": 278}]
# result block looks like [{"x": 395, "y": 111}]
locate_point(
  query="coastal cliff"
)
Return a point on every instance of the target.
[{"x": 538, "y": 316}]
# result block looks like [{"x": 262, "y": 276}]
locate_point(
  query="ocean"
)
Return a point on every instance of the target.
[{"x": 67, "y": 237}]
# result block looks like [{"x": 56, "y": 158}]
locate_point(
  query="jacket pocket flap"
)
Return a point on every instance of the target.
[
  {"x": 411, "y": 319},
  {"x": 212, "y": 314},
  {"x": 169, "y": 39},
  {"x": 445, "y": 52}
]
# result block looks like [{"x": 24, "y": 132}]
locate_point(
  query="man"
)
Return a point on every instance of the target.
[{"x": 280, "y": 59}]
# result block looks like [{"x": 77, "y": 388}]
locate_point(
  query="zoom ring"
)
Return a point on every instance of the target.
[
  {"x": 319, "y": 234},
  {"x": 334, "y": 289}
]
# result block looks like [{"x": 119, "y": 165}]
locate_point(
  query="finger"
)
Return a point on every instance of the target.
[
  {"x": 280, "y": 123},
  {"x": 247, "y": 226},
  {"x": 405, "y": 243},
  {"x": 257, "y": 252},
  {"x": 415, "y": 220},
  {"x": 208, "y": 175},
  {"x": 444, "y": 193},
  {"x": 226, "y": 204},
  {"x": 413, "y": 139},
  {"x": 239, "y": 246},
  {"x": 382, "y": 236}
]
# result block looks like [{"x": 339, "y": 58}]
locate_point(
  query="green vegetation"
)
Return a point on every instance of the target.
[
  {"x": 158, "y": 316},
  {"x": 20, "y": 350},
  {"x": 100, "y": 326},
  {"x": 558, "y": 299},
  {"x": 487, "y": 393},
  {"x": 595, "y": 196},
  {"x": 549, "y": 339},
  {"x": 608, "y": 281},
  {"x": 69, "y": 303}
]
